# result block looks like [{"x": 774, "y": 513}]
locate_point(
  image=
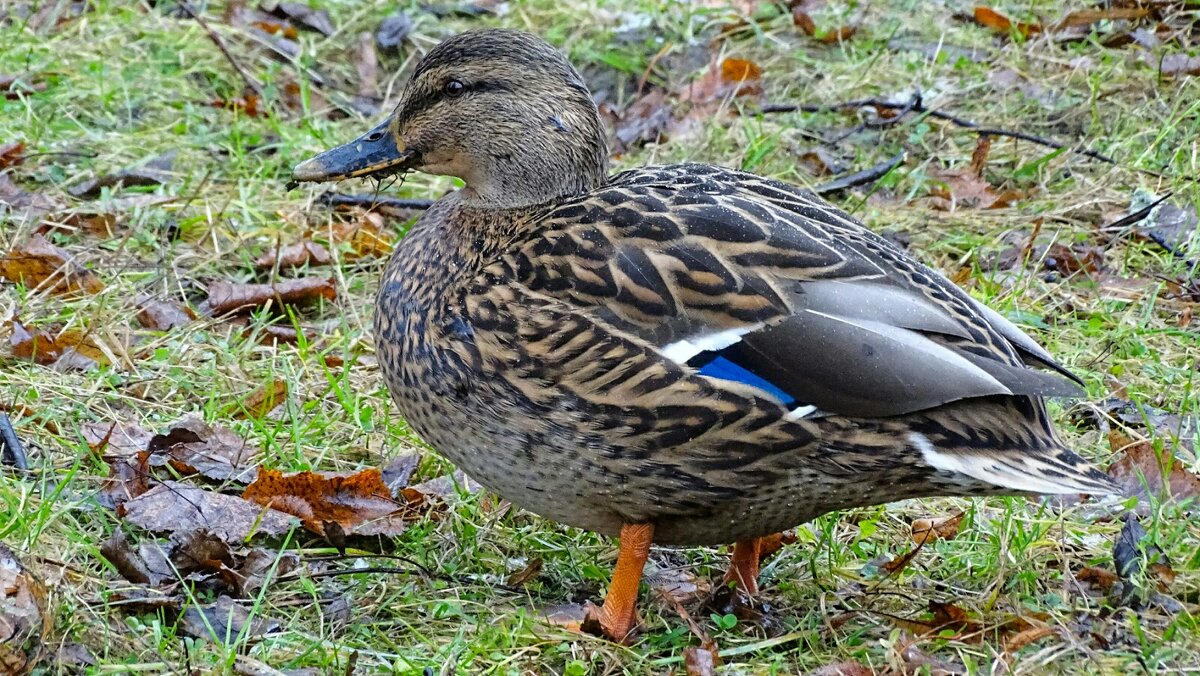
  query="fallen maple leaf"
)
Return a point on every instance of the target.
[
  {"x": 365, "y": 235},
  {"x": 224, "y": 297},
  {"x": 359, "y": 504},
  {"x": 37, "y": 263}
]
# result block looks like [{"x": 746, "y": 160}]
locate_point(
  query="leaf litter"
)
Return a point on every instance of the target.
[
  {"x": 26, "y": 620},
  {"x": 39, "y": 264}
]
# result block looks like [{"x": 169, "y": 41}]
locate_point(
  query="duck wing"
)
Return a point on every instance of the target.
[{"x": 748, "y": 279}]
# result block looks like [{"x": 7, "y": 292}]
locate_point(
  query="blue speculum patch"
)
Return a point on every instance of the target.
[{"x": 720, "y": 367}]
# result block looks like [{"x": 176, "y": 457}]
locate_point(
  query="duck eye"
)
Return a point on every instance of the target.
[{"x": 454, "y": 88}]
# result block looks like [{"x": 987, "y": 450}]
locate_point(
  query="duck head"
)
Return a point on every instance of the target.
[{"x": 500, "y": 109}]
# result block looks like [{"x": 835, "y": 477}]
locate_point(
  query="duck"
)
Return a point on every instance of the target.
[{"x": 675, "y": 355}]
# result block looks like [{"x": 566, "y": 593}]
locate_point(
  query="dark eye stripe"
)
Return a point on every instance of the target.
[{"x": 419, "y": 105}]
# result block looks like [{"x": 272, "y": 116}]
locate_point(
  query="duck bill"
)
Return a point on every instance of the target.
[{"x": 375, "y": 152}]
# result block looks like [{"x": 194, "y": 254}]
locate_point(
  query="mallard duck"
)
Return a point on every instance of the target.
[{"x": 677, "y": 354}]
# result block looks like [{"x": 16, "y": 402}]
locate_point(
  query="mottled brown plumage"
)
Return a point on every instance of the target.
[{"x": 560, "y": 334}]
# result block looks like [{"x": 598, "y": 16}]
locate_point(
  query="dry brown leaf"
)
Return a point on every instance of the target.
[
  {"x": 174, "y": 507},
  {"x": 678, "y": 585},
  {"x": 732, "y": 77},
  {"x": 163, "y": 315},
  {"x": 1100, "y": 577},
  {"x": 1074, "y": 258},
  {"x": 303, "y": 15},
  {"x": 805, "y": 23},
  {"x": 1087, "y": 17},
  {"x": 525, "y": 574},
  {"x": 990, "y": 18},
  {"x": 296, "y": 255},
  {"x": 365, "y": 235},
  {"x": 247, "y": 104},
  {"x": 278, "y": 333},
  {"x": 1027, "y": 636},
  {"x": 16, "y": 86},
  {"x": 97, "y": 224},
  {"x": 192, "y": 446},
  {"x": 37, "y": 263},
  {"x": 24, "y": 618},
  {"x": 359, "y": 504},
  {"x": 69, "y": 349},
  {"x": 115, "y": 438},
  {"x": 648, "y": 119},
  {"x": 927, "y": 530},
  {"x": 700, "y": 660},
  {"x": 225, "y": 297},
  {"x": 12, "y": 154},
  {"x": 1164, "y": 476},
  {"x": 261, "y": 401},
  {"x": 224, "y": 622},
  {"x": 128, "y": 478}
]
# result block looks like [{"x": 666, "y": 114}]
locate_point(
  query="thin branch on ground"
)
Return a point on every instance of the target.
[
  {"x": 864, "y": 177},
  {"x": 916, "y": 105}
]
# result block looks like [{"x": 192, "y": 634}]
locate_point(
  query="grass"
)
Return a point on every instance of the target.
[{"x": 126, "y": 81}]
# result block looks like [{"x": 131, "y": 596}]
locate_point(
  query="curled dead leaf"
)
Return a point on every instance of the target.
[
  {"x": 295, "y": 255},
  {"x": 225, "y": 297},
  {"x": 927, "y": 530},
  {"x": 39, "y": 264},
  {"x": 192, "y": 446}
]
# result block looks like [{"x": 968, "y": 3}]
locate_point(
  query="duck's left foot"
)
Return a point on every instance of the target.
[{"x": 617, "y": 619}]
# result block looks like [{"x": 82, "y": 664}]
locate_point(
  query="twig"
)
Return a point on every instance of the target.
[
  {"x": 915, "y": 105},
  {"x": 251, "y": 84},
  {"x": 864, "y": 177},
  {"x": 335, "y": 199},
  {"x": 11, "y": 450}
]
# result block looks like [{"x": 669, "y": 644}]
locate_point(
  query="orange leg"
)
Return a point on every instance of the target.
[
  {"x": 743, "y": 566},
  {"x": 618, "y": 617}
]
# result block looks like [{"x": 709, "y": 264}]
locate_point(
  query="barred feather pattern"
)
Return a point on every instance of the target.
[{"x": 527, "y": 346}]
